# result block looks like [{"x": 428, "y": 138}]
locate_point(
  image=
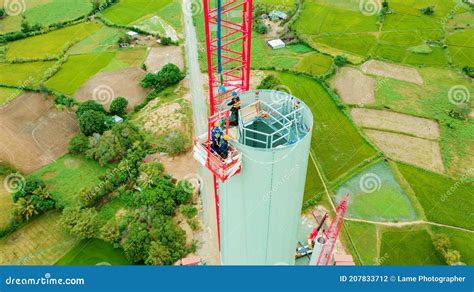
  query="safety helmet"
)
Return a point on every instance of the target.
[
  {"x": 216, "y": 124},
  {"x": 226, "y": 137}
]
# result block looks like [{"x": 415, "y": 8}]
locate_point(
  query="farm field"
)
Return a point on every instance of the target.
[
  {"x": 42, "y": 12},
  {"x": 461, "y": 241},
  {"x": 8, "y": 94},
  {"x": 128, "y": 11},
  {"x": 337, "y": 144},
  {"x": 93, "y": 252},
  {"x": 6, "y": 205},
  {"x": 23, "y": 74},
  {"x": 67, "y": 176},
  {"x": 40, "y": 242},
  {"x": 50, "y": 44},
  {"x": 364, "y": 237}
]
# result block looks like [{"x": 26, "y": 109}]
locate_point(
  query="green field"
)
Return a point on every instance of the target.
[
  {"x": 91, "y": 252},
  {"x": 336, "y": 142},
  {"x": 444, "y": 200},
  {"x": 364, "y": 236},
  {"x": 23, "y": 74},
  {"x": 376, "y": 195},
  {"x": 102, "y": 40},
  {"x": 66, "y": 177},
  {"x": 407, "y": 247},
  {"x": 6, "y": 205},
  {"x": 50, "y": 44},
  {"x": 126, "y": 58},
  {"x": 44, "y": 12},
  {"x": 461, "y": 241},
  {"x": 313, "y": 185},
  {"x": 128, "y": 11},
  {"x": 77, "y": 70},
  {"x": 7, "y": 94}
]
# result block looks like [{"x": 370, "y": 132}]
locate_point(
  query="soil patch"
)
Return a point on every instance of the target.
[
  {"x": 354, "y": 87},
  {"x": 180, "y": 167},
  {"x": 395, "y": 122},
  {"x": 104, "y": 87},
  {"x": 392, "y": 71},
  {"x": 160, "y": 56},
  {"x": 33, "y": 133},
  {"x": 416, "y": 151}
]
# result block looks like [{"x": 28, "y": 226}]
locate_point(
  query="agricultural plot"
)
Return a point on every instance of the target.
[
  {"x": 313, "y": 185},
  {"x": 336, "y": 142},
  {"x": 461, "y": 241},
  {"x": 364, "y": 237},
  {"x": 461, "y": 47},
  {"x": 23, "y": 74},
  {"x": 100, "y": 41},
  {"x": 34, "y": 133},
  {"x": 43, "y": 12},
  {"x": 77, "y": 70},
  {"x": 51, "y": 44},
  {"x": 376, "y": 195},
  {"x": 8, "y": 94},
  {"x": 354, "y": 87},
  {"x": 160, "y": 56},
  {"x": 66, "y": 177},
  {"x": 444, "y": 200},
  {"x": 93, "y": 252},
  {"x": 40, "y": 242},
  {"x": 6, "y": 205},
  {"x": 408, "y": 246},
  {"x": 128, "y": 11}
]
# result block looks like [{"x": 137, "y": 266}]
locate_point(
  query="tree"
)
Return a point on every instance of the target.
[
  {"x": 137, "y": 244},
  {"x": 269, "y": 82},
  {"x": 261, "y": 28},
  {"x": 25, "y": 209},
  {"x": 110, "y": 231},
  {"x": 340, "y": 61},
  {"x": 430, "y": 10},
  {"x": 92, "y": 122},
  {"x": 87, "y": 106},
  {"x": 452, "y": 257},
  {"x": 469, "y": 71},
  {"x": 166, "y": 41},
  {"x": 175, "y": 143},
  {"x": 80, "y": 222},
  {"x": 106, "y": 150},
  {"x": 118, "y": 106},
  {"x": 78, "y": 144},
  {"x": 25, "y": 26},
  {"x": 441, "y": 242},
  {"x": 189, "y": 211},
  {"x": 3, "y": 12},
  {"x": 158, "y": 255},
  {"x": 169, "y": 75}
]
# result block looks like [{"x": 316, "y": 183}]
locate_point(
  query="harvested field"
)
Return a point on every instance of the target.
[
  {"x": 160, "y": 56},
  {"x": 180, "y": 167},
  {"x": 40, "y": 242},
  {"x": 33, "y": 133},
  {"x": 420, "y": 152},
  {"x": 392, "y": 71},
  {"x": 396, "y": 122},
  {"x": 354, "y": 87},
  {"x": 104, "y": 87}
]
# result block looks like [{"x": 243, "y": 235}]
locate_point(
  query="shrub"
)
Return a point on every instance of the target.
[
  {"x": 460, "y": 111},
  {"x": 166, "y": 41},
  {"x": 189, "y": 211},
  {"x": 67, "y": 101},
  {"x": 261, "y": 28},
  {"x": 118, "y": 106},
  {"x": 469, "y": 71},
  {"x": 340, "y": 61},
  {"x": 80, "y": 222},
  {"x": 430, "y": 10},
  {"x": 92, "y": 122},
  {"x": 78, "y": 144},
  {"x": 169, "y": 75},
  {"x": 269, "y": 82},
  {"x": 3, "y": 12},
  {"x": 110, "y": 231},
  {"x": 175, "y": 143}
]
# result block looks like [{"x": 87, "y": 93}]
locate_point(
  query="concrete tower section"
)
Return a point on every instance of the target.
[{"x": 260, "y": 207}]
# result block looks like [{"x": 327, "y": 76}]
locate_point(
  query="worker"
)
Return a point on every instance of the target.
[
  {"x": 235, "y": 107},
  {"x": 216, "y": 136},
  {"x": 224, "y": 148}
]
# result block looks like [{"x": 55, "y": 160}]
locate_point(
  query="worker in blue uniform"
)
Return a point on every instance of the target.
[
  {"x": 216, "y": 137},
  {"x": 224, "y": 148},
  {"x": 235, "y": 107}
]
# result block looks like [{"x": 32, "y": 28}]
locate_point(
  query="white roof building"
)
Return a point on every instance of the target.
[
  {"x": 276, "y": 44},
  {"x": 132, "y": 34}
]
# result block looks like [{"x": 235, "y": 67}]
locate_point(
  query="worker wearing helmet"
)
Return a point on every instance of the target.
[
  {"x": 224, "y": 148},
  {"x": 235, "y": 107},
  {"x": 216, "y": 137}
]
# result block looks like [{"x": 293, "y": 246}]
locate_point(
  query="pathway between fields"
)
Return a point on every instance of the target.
[{"x": 407, "y": 223}]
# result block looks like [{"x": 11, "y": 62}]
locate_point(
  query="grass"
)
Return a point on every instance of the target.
[
  {"x": 93, "y": 252},
  {"x": 50, "y": 44},
  {"x": 8, "y": 94},
  {"x": 364, "y": 236},
  {"x": 376, "y": 195},
  {"x": 461, "y": 241},
  {"x": 66, "y": 177},
  {"x": 408, "y": 247},
  {"x": 100, "y": 41},
  {"x": 6, "y": 205},
  {"x": 23, "y": 74},
  {"x": 39, "y": 242},
  {"x": 128, "y": 11},
  {"x": 336, "y": 142},
  {"x": 77, "y": 70},
  {"x": 313, "y": 185},
  {"x": 444, "y": 199},
  {"x": 126, "y": 58},
  {"x": 45, "y": 12}
]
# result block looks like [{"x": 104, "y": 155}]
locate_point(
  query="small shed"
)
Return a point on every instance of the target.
[
  {"x": 117, "y": 119},
  {"x": 278, "y": 15},
  {"x": 132, "y": 34},
  {"x": 276, "y": 44}
]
